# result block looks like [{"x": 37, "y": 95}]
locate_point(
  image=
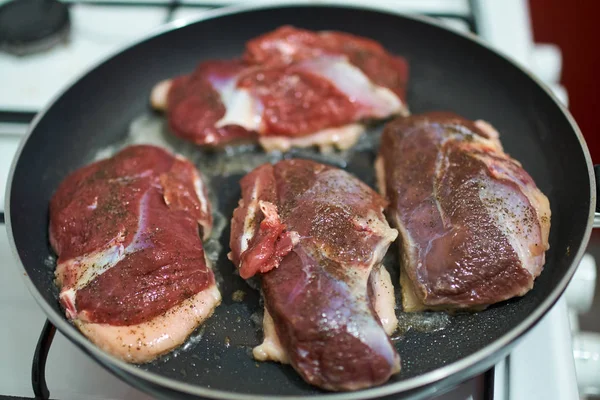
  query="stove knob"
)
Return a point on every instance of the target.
[
  {"x": 31, "y": 26},
  {"x": 580, "y": 292},
  {"x": 586, "y": 351}
]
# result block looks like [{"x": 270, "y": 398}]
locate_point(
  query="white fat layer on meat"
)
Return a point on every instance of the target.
[
  {"x": 198, "y": 184},
  {"x": 245, "y": 110},
  {"x": 94, "y": 205},
  {"x": 537, "y": 199},
  {"x": 285, "y": 48},
  {"x": 268, "y": 209},
  {"x": 542, "y": 208},
  {"x": 67, "y": 297},
  {"x": 488, "y": 129},
  {"x": 380, "y": 176},
  {"x": 249, "y": 220},
  {"x": 409, "y": 264},
  {"x": 144, "y": 342},
  {"x": 241, "y": 108},
  {"x": 441, "y": 163},
  {"x": 379, "y": 227},
  {"x": 477, "y": 142},
  {"x": 271, "y": 348},
  {"x": 410, "y": 301},
  {"x": 199, "y": 190},
  {"x": 377, "y": 101},
  {"x": 159, "y": 95},
  {"x": 87, "y": 268},
  {"x": 341, "y": 138},
  {"x": 384, "y": 300},
  {"x": 509, "y": 214},
  {"x": 91, "y": 265}
]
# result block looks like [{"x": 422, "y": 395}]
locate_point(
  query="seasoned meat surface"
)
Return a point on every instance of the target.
[
  {"x": 315, "y": 235},
  {"x": 288, "y": 44},
  {"x": 283, "y": 95},
  {"x": 474, "y": 226},
  {"x": 126, "y": 231}
]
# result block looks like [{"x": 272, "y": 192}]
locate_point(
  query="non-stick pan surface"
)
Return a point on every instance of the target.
[{"x": 448, "y": 71}]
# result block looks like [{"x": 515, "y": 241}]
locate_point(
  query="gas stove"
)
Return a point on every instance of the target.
[{"x": 540, "y": 366}]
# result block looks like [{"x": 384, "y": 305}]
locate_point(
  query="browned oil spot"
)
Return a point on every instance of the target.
[{"x": 238, "y": 296}]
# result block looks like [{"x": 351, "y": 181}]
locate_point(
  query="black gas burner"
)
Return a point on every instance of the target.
[{"x": 31, "y": 26}]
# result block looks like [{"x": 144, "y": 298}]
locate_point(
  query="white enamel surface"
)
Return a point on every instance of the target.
[
  {"x": 458, "y": 7},
  {"x": 28, "y": 83},
  {"x": 515, "y": 39},
  {"x": 580, "y": 292},
  {"x": 9, "y": 142},
  {"x": 586, "y": 350},
  {"x": 541, "y": 366}
]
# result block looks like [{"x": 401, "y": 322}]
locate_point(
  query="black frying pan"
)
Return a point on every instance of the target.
[{"x": 449, "y": 71}]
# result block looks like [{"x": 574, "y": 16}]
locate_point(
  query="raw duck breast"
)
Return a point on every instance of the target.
[
  {"x": 316, "y": 237},
  {"x": 473, "y": 225},
  {"x": 131, "y": 268},
  {"x": 291, "y": 88}
]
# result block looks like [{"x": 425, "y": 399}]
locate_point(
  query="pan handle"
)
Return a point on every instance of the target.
[
  {"x": 597, "y": 215},
  {"x": 38, "y": 368}
]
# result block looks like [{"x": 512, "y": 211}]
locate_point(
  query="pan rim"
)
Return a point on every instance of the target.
[{"x": 413, "y": 383}]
